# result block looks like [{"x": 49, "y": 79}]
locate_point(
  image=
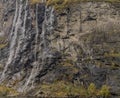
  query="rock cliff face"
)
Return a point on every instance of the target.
[{"x": 80, "y": 45}]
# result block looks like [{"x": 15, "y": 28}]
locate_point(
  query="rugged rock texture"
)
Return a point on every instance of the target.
[{"x": 80, "y": 45}]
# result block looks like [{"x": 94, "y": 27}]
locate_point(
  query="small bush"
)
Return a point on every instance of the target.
[
  {"x": 104, "y": 91},
  {"x": 92, "y": 89}
]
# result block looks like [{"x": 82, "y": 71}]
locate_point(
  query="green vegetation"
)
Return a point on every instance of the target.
[
  {"x": 35, "y": 1},
  {"x": 6, "y": 91},
  {"x": 67, "y": 63},
  {"x": 63, "y": 89},
  {"x": 60, "y": 4},
  {"x": 104, "y": 91},
  {"x": 92, "y": 89},
  {"x": 2, "y": 45},
  {"x": 112, "y": 55}
]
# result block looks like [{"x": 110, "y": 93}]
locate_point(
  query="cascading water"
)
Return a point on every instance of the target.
[
  {"x": 47, "y": 27},
  {"x": 20, "y": 37},
  {"x": 14, "y": 36},
  {"x": 37, "y": 33},
  {"x": 36, "y": 66},
  {"x": 22, "y": 31},
  {"x": 43, "y": 52}
]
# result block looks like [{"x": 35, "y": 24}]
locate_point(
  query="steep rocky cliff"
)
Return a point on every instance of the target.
[{"x": 42, "y": 49}]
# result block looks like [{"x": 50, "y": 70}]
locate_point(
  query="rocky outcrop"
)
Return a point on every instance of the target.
[{"x": 79, "y": 44}]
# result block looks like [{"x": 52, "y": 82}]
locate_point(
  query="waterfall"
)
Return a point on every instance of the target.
[
  {"x": 22, "y": 31},
  {"x": 44, "y": 38},
  {"x": 36, "y": 66},
  {"x": 47, "y": 27},
  {"x": 14, "y": 36},
  {"x": 25, "y": 18},
  {"x": 15, "y": 19},
  {"x": 37, "y": 33},
  {"x": 47, "y": 30},
  {"x": 19, "y": 37}
]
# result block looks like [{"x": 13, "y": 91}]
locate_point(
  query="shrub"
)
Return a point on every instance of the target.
[
  {"x": 92, "y": 89},
  {"x": 104, "y": 91}
]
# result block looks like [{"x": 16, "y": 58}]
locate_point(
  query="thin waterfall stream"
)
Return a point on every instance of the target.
[{"x": 14, "y": 34}]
